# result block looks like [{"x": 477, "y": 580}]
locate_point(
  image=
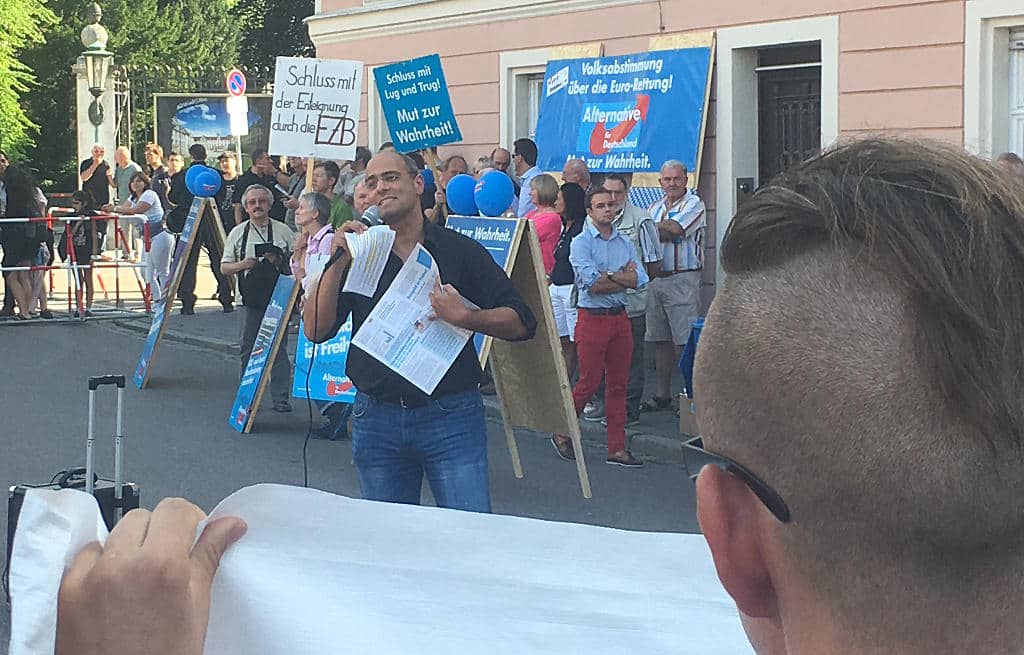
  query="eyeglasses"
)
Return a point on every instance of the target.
[
  {"x": 390, "y": 177},
  {"x": 771, "y": 498}
]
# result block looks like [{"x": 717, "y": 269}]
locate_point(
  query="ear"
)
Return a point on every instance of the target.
[{"x": 728, "y": 513}]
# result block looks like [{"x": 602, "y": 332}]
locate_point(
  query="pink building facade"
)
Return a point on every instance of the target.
[{"x": 790, "y": 76}]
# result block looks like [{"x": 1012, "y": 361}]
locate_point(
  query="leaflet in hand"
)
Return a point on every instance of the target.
[
  {"x": 401, "y": 331},
  {"x": 370, "y": 251}
]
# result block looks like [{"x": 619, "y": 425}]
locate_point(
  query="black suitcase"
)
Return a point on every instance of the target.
[{"x": 114, "y": 497}]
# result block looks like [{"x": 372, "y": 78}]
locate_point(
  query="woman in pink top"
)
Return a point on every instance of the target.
[{"x": 544, "y": 193}]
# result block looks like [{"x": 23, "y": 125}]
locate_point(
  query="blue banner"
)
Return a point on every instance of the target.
[
  {"x": 275, "y": 320},
  {"x": 629, "y": 113},
  {"x": 327, "y": 380},
  {"x": 156, "y": 328},
  {"x": 494, "y": 234},
  {"x": 414, "y": 98}
]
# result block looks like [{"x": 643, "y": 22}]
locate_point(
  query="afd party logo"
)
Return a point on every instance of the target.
[
  {"x": 339, "y": 388},
  {"x": 609, "y": 126}
]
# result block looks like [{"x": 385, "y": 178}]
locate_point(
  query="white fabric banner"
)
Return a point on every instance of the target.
[{"x": 319, "y": 573}]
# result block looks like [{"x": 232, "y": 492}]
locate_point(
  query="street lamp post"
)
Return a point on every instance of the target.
[{"x": 97, "y": 64}]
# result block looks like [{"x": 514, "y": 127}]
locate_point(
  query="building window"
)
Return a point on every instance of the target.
[
  {"x": 1017, "y": 91},
  {"x": 521, "y": 85},
  {"x": 529, "y": 91}
]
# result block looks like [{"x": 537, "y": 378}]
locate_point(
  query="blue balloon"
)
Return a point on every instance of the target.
[
  {"x": 208, "y": 183},
  {"x": 202, "y": 181},
  {"x": 494, "y": 193},
  {"x": 460, "y": 195},
  {"x": 190, "y": 175},
  {"x": 428, "y": 178}
]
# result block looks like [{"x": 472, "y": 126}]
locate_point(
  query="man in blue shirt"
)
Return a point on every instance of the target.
[
  {"x": 525, "y": 159},
  {"x": 605, "y": 264}
]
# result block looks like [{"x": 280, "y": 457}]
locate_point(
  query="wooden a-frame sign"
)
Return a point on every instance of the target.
[
  {"x": 162, "y": 310},
  {"x": 530, "y": 376}
]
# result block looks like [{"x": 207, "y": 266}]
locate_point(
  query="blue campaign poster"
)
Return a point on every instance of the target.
[
  {"x": 414, "y": 98},
  {"x": 625, "y": 113},
  {"x": 327, "y": 380},
  {"x": 156, "y": 328},
  {"x": 274, "y": 321},
  {"x": 494, "y": 234}
]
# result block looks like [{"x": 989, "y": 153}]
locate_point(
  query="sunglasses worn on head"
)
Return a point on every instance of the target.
[{"x": 771, "y": 498}]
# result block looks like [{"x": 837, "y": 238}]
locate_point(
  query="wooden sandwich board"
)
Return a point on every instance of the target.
[
  {"x": 162, "y": 309},
  {"x": 529, "y": 376}
]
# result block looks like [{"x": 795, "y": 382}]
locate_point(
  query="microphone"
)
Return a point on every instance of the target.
[
  {"x": 283, "y": 191},
  {"x": 369, "y": 218}
]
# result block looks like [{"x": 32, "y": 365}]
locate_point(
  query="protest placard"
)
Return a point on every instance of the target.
[
  {"x": 323, "y": 366},
  {"x": 416, "y": 105},
  {"x": 200, "y": 206},
  {"x": 627, "y": 113},
  {"x": 316, "y": 107},
  {"x": 264, "y": 349}
]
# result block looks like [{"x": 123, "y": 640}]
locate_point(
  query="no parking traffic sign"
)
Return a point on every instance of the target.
[{"x": 236, "y": 82}]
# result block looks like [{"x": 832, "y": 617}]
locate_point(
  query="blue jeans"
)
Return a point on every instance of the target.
[{"x": 394, "y": 446}]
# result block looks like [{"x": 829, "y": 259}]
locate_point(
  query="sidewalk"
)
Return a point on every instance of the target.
[{"x": 657, "y": 436}]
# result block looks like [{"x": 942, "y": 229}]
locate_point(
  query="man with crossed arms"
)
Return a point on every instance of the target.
[{"x": 674, "y": 295}]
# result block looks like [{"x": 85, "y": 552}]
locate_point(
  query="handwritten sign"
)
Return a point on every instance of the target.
[
  {"x": 414, "y": 97},
  {"x": 316, "y": 107}
]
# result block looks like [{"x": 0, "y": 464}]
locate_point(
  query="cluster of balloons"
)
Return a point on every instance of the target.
[
  {"x": 202, "y": 181},
  {"x": 491, "y": 195}
]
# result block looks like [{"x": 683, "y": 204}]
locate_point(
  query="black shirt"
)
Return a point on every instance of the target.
[
  {"x": 247, "y": 179},
  {"x": 160, "y": 182},
  {"x": 97, "y": 185},
  {"x": 467, "y": 266},
  {"x": 562, "y": 272},
  {"x": 182, "y": 199},
  {"x": 225, "y": 201}
]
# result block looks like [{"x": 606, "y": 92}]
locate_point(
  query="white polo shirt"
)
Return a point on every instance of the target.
[{"x": 687, "y": 252}]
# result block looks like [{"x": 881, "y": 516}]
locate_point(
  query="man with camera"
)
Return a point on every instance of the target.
[{"x": 255, "y": 251}]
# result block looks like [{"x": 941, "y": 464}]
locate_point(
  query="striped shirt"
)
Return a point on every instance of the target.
[{"x": 684, "y": 253}]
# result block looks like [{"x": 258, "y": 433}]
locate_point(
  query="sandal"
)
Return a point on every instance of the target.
[
  {"x": 564, "y": 449},
  {"x": 656, "y": 404},
  {"x": 624, "y": 458}
]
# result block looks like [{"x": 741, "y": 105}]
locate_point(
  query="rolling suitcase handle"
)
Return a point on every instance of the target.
[{"x": 95, "y": 383}]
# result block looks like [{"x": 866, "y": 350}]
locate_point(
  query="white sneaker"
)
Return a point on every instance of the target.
[{"x": 593, "y": 412}]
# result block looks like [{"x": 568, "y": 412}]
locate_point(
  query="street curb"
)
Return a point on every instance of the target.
[
  {"x": 651, "y": 447},
  {"x": 227, "y": 347}
]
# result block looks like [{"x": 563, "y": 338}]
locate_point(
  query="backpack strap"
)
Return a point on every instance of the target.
[{"x": 245, "y": 240}]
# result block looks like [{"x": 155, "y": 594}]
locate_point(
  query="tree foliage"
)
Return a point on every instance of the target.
[
  {"x": 21, "y": 25},
  {"x": 271, "y": 29},
  {"x": 142, "y": 32}
]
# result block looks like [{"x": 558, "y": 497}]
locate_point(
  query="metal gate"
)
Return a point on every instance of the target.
[{"x": 134, "y": 88}]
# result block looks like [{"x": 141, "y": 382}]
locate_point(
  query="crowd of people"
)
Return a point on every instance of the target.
[{"x": 859, "y": 404}]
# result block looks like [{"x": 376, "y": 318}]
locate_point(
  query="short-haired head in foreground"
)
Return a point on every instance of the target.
[{"x": 864, "y": 360}]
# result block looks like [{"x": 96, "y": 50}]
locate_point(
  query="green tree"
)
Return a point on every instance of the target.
[
  {"x": 21, "y": 26},
  {"x": 271, "y": 29},
  {"x": 180, "y": 33}
]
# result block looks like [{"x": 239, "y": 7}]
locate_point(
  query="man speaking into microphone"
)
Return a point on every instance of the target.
[{"x": 399, "y": 432}]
